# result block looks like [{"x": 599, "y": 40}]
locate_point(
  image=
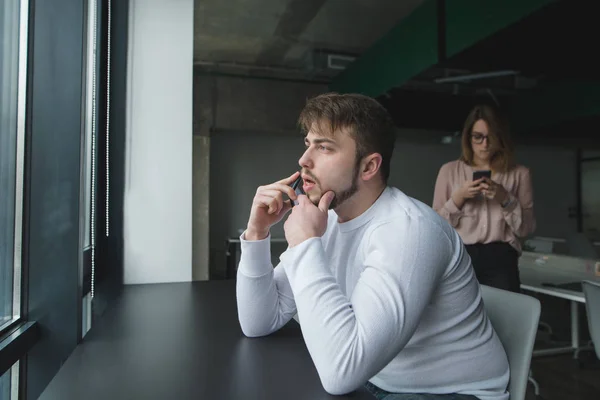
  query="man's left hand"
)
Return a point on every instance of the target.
[
  {"x": 307, "y": 220},
  {"x": 494, "y": 191}
]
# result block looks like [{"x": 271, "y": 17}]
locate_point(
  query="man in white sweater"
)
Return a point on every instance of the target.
[{"x": 382, "y": 285}]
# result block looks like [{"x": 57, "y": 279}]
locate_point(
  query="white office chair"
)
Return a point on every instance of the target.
[
  {"x": 515, "y": 319},
  {"x": 591, "y": 290}
]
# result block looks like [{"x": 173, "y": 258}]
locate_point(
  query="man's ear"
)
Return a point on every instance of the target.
[{"x": 370, "y": 165}]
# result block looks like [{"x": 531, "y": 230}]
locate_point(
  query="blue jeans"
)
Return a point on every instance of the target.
[{"x": 381, "y": 394}]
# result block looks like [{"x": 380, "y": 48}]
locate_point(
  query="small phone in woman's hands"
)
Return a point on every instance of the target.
[{"x": 482, "y": 174}]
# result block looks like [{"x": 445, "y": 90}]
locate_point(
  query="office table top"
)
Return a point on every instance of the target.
[
  {"x": 183, "y": 341},
  {"x": 557, "y": 275}
]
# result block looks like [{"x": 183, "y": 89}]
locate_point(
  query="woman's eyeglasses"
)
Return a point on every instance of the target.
[{"x": 479, "y": 137}]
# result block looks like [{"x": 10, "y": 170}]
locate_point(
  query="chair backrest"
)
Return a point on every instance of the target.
[
  {"x": 515, "y": 319},
  {"x": 591, "y": 291}
]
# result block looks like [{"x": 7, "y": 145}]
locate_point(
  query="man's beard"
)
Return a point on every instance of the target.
[{"x": 344, "y": 195}]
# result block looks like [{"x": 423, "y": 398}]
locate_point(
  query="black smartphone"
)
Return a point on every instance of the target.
[
  {"x": 297, "y": 186},
  {"x": 482, "y": 174}
]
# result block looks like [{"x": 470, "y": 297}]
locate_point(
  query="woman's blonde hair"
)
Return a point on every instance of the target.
[{"x": 499, "y": 136}]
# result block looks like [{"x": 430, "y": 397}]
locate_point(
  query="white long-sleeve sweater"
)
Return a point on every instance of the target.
[{"x": 388, "y": 297}]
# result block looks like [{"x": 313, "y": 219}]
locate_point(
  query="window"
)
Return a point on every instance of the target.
[
  {"x": 9, "y": 383},
  {"x": 13, "y": 30}
]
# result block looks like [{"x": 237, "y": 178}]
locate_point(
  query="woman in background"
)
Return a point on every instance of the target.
[{"x": 490, "y": 215}]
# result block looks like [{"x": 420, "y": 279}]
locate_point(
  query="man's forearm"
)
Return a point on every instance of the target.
[
  {"x": 265, "y": 301},
  {"x": 345, "y": 357},
  {"x": 253, "y": 234},
  {"x": 257, "y": 301}
]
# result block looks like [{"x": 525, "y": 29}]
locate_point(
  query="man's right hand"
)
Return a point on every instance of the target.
[
  {"x": 268, "y": 207},
  {"x": 467, "y": 191}
]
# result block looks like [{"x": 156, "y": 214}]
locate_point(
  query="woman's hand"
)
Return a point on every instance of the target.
[
  {"x": 494, "y": 191},
  {"x": 467, "y": 191}
]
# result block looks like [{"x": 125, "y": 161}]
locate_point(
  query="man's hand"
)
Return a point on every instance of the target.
[
  {"x": 307, "y": 220},
  {"x": 268, "y": 207},
  {"x": 494, "y": 191}
]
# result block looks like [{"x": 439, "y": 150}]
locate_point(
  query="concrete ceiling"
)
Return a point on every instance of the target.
[
  {"x": 546, "y": 43},
  {"x": 285, "y": 33}
]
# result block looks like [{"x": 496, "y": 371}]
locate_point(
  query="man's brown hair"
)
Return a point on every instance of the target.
[
  {"x": 499, "y": 136},
  {"x": 367, "y": 121}
]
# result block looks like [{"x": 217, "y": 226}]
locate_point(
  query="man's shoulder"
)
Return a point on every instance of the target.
[
  {"x": 401, "y": 204},
  {"x": 404, "y": 212},
  {"x": 410, "y": 228}
]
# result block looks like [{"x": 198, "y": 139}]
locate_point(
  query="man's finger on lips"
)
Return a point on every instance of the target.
[{"x": 289, "y": 179}]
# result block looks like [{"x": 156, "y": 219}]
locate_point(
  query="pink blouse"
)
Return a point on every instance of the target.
[{"x": 482, "y": 220}]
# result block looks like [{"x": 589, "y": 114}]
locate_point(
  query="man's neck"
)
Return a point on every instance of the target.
[{"x": 359, "y": 203}]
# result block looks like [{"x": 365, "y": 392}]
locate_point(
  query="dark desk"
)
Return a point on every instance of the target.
[{"x": 183, "y": 341}]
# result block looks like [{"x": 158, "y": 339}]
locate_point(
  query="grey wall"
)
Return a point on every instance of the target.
[
  {"x": 591, "y": 153},
  {"x": 246, "y": 162},
  {"x": 555, "y": 188},
  {"x": 249, "y": 105},
  {"x": 253, "y": 141},
  {"x": 252, "y": 128}
]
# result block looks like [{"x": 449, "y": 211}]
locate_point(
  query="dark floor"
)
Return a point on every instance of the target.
[{"x": 562, "y": 378}]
